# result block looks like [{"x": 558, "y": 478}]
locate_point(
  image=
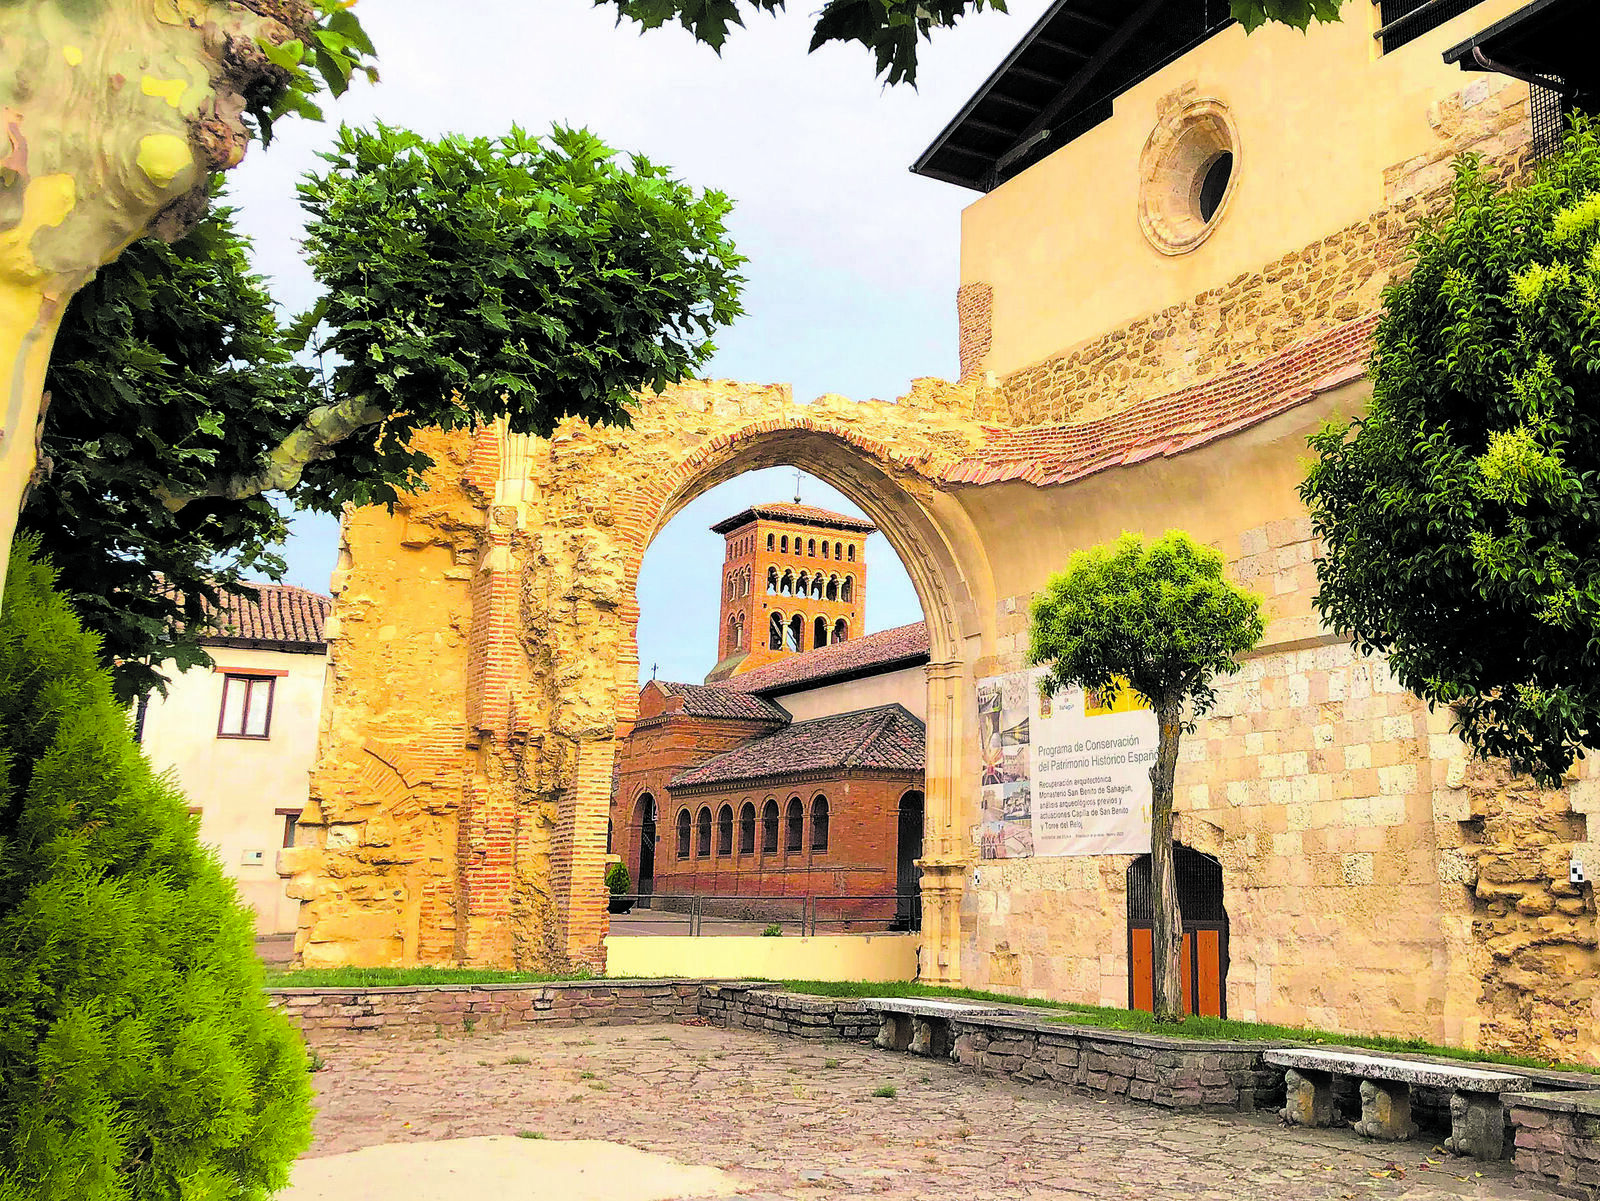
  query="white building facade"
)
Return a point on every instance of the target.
[{"x": 240, "y": 738}]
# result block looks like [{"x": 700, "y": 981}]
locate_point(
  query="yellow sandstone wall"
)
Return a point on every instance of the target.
[{"x": 1375, "y": 880}]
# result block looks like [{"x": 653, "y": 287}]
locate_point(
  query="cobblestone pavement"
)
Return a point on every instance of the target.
[{"x": 797, "y": 1119}]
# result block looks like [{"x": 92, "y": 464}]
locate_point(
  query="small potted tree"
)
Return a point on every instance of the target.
[{"x": 621, "y": 886}]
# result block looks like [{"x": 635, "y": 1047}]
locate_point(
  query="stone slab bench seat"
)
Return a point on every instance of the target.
[
  {"x": 920, "y": 1025},
  {"x": 1478, "y": 1124}
]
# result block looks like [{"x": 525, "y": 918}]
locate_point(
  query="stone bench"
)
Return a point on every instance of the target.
[
  {"x": 1477, "y": 1115},
  {"x": 918, "y": 1024}
]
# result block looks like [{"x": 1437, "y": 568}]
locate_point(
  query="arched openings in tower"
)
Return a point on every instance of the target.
[
  {"x": 794, "y": 634},
  {"x": 795, "y": 826},
  {"x": 747, "y": 829},
  {"x": 772, "y": 581},
  {"x": 833, "y": 588},
  {"x": 819, "y": 636},
  {"x": 786, "y": 585},
  {"x": 769, "y": 827},
  {"x": 841, "y": 631},
  {"x": 811, "y": 548},
  {"x": 847, "y": 590},
  {"x": 775, "y": 629}
]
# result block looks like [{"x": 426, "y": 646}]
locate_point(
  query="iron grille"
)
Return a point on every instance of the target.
[
  {"x": 1549, "y": 111},
  {"x": 1403, "y": 21},
  {"x": 1199, "y": 887}
]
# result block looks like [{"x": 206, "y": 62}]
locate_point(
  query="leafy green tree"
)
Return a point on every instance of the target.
[
  {"x": 139, "y": 1057},
  {"x": 466, "y": 280},
  {"x": 472, "y": 279},
  {"x": 1163, "y": 620},
  {"x": 1461, "y": 513},
  {"x": 893, "y": 30},
  {"x": 170, "y": 367}
]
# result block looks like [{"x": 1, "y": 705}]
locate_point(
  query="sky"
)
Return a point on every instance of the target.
[{"x": 853, "y": 260}]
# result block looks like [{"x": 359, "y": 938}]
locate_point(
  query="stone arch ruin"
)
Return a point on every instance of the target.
[{"x": 489, "y": 625}]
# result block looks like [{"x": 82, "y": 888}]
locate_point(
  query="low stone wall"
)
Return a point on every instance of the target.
[
  {"x": 1557, "y": 1140},
  {"x": 1178, "y": 1073},
  {"x": 751, "y": 1007},
  {"x": 429, "y": 1010}
]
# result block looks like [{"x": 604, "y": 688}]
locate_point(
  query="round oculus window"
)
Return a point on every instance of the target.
[{"x": 1187, "y": 174}]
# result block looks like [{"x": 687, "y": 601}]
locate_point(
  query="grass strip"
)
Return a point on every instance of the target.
[{"x": 401, "y": 977}]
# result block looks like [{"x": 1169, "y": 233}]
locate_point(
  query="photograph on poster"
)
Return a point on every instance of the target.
[{"x": 1062, "y": 775}]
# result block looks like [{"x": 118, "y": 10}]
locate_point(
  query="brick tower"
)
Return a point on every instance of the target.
[{"x": 793, "y": 579}]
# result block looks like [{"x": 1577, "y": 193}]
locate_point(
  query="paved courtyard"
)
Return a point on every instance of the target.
[{"x": 792, "y": 1119}]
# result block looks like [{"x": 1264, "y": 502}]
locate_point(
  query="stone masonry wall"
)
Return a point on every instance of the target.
[
  {"x": 1172, "y": 1072},
  {"x": 432, "y": 1010},
  {"x": 483, "y": 661},
  {"x": 1335, "y": 279},
  {"x": 1352, "y": 829},
  {"x": 1557, "y": 1141}
]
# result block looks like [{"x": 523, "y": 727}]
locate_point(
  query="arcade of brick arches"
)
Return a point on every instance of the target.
[{"x": 1373, "y": 877}]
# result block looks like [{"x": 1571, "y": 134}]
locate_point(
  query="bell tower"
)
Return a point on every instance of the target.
[{"x": 793, "y": 580}]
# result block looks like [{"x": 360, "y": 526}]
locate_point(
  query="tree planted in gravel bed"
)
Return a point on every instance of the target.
[{"x": 1160, "y": 618}]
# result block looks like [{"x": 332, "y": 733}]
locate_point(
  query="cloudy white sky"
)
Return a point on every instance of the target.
[{"x": 853, "y": 260}]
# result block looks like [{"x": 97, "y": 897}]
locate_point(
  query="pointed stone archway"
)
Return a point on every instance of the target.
[{"x": 493, "y": 618}]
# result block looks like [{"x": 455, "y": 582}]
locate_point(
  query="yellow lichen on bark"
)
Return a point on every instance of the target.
[{"x": 112, "y": 117}]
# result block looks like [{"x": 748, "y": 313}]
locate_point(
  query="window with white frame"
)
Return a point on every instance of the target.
[{"x": 246, "y": 706}]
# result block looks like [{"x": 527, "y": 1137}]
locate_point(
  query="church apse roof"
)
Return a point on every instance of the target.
[
  {"x": 887, "y": 738},
  {"x": 703, "y": 700},
  {"x": 887, "y": 650}
]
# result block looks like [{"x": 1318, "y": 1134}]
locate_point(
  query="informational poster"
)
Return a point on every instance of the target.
[{"x": 1063, "y": 774}]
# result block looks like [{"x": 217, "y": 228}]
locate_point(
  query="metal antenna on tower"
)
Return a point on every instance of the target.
[{"x": 796, "y": 485}]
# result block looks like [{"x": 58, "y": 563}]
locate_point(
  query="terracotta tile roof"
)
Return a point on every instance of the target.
[
  {"x": 705, "y": 700},
  {"x": 901, "y": 646},
  {"x": 802, "y": 514},
  {"x": 274, "y": 615},
  {"x": 1180, "y": 421},
  {"x": 887, "y": 738}
]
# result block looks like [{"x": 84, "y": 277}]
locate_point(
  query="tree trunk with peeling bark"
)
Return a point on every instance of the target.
[
  {"x": 113, "y": 117},
  {"x": 1166, "y": 925}
]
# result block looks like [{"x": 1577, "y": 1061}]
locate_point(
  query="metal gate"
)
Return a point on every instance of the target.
[{"x": 1203, "y": 964}]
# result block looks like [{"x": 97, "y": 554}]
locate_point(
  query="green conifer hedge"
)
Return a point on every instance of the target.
[{"x": 139, "y": 1060}]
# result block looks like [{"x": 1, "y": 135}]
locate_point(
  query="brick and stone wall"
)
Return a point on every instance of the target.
[
  {"x": 1329, "y": 281},
  {"x": 863, "y": 829},
  {"x": 1172, "y": 1072},
  {"x": 430, "y": 1010},
  {"x": 1557, "y": 1140}
]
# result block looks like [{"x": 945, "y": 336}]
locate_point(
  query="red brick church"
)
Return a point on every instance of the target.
[{"x": 796, "y": 769}]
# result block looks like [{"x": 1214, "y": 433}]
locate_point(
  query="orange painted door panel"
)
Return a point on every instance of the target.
[
  {"x": 1209, "y": 960},
  {"x": 1143, "y": 971}
]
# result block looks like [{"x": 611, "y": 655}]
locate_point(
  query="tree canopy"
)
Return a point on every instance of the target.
[
  {"x": 1461, "y": 513},
  {"x": 1163, "y": 619},
  {"x": 466, "y": 280},
  {"x": 470, "y": 279},
  {"x": 893, "y": 30},
  {"x": 1159, "y": 617},
  {"x": 170, "y": 367}
]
